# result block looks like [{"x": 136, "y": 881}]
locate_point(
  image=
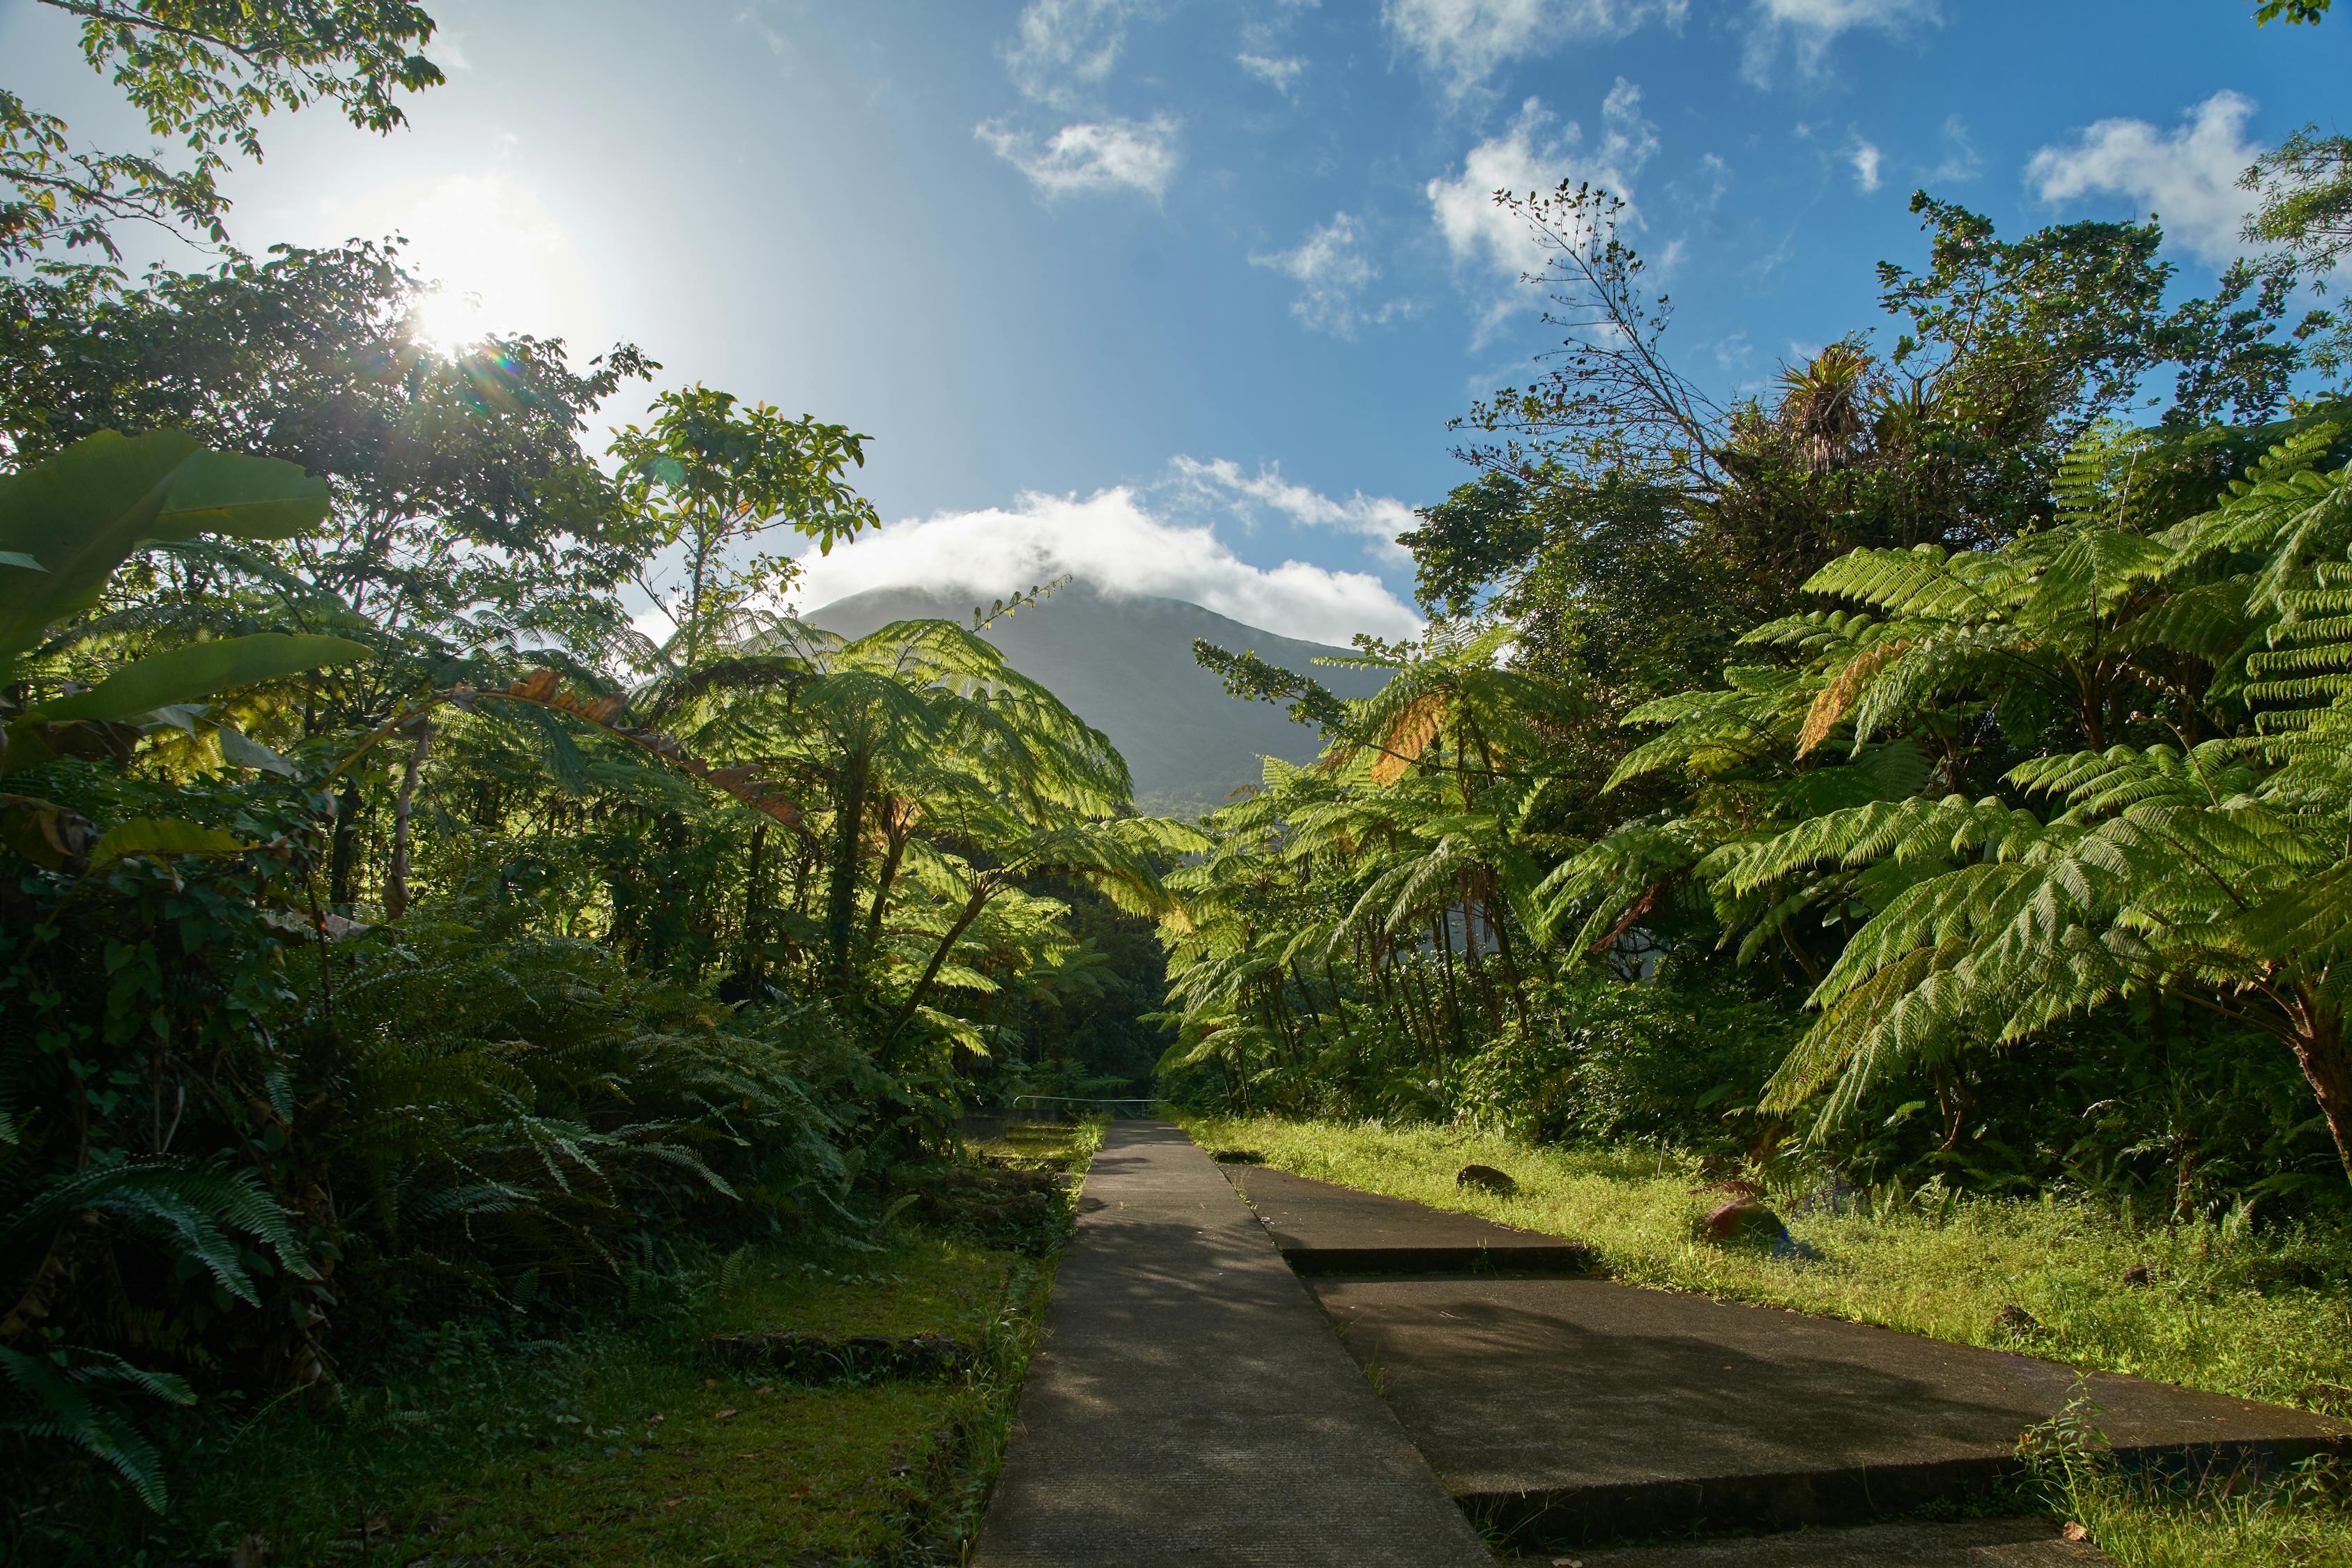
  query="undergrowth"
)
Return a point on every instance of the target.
[{"x": 616, "y": 1440}]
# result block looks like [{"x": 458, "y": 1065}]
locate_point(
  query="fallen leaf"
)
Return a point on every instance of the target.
[
  {"x": 769, "y": 1389},
  {"x": 654, "y": 1416},
  {"x": 747, "y": 1455},
  {"x": 672, "y": 1501},
  {"x": 723, "y": 1415},
  {"x": 709, "y": 1382},
  {"x": 2074, "y": 1531}
]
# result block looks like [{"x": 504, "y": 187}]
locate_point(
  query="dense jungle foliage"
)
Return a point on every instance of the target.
[
  {"x": 1932, "y": 767},
  {"x": 392, "y": 929}
]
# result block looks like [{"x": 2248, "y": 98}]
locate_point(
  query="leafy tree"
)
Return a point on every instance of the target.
[
  {"x": 2303, "y": 206},
  {"x": 706, "y": 478},
  {"x": 206, "y": 72}
]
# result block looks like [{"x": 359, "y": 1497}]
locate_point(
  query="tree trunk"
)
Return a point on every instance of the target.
[
  {"x": 753, "y": 953},
  {"x": 1442, "y": 926},
  {"x": 884, "y": 878},
  {"x": 342, "y": 859},
  {"x": 973, "y": 905},
  {"x": 2319, "y": 1046},
  {"x": 396, "y": 881},
  {"x": 841, "y": 891}
]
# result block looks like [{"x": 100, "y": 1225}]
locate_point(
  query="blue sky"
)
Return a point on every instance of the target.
[{"x": 1180, "y": 293}]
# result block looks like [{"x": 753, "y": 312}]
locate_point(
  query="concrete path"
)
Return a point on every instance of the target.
[
  {"x": 1965, "y": 1543},
  {"x": 1587, "y": 1409},
  {"x": 1320, "y": 1228},
  {"x": 1189, "y": 1405}
]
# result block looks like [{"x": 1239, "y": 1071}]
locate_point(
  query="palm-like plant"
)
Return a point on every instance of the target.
[{"x": 2215, "y": 874}]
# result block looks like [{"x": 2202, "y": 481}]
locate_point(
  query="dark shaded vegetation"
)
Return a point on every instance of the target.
[{"x": 412, "y": 971}]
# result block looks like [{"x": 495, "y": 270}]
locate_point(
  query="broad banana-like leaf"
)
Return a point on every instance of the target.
[
  {"x": 80, "y": 515},
  {"x": 199, "y": 669},
  {"x": 241, "y": 750},
  {"x": 163, "y": 836}
]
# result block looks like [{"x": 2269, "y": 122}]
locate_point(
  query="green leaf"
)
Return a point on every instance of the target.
[
  {"x": 18, "y": 558},
  {"x": 240, "y": 750},
  {"x": 242, "y": 497},
  {"x": 163, "y": 836},
  {"x": 201, "y": 668},
  {"x": 557, "y": 749},
  {"x": 78, "y": 515}
]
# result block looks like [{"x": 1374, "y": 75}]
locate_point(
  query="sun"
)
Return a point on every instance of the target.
[
  {"x": 450, "y": 322},
  {"x": 492, "y": 261}
]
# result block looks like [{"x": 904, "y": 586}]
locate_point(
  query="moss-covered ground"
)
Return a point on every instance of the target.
[{"x": 619, "y": 1442}]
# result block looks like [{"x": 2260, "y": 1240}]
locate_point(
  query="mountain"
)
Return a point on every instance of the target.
[{"x": 1125, "y": 665}]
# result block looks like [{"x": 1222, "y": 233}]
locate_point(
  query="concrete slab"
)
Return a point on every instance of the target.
[
  {"x": 1965, "y": 1543},
  {"x": 1587, "y": 1410},
  {"x": 1189, "y": 1406},
  {"x": 1320, "y": 1228}
]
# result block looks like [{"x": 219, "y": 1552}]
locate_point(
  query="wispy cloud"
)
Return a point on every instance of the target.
[
  {"x": 1863, "y": 156},
  {"x": 1332, "y": 273},
  {"x": 1117, "y": 541},
  {"x": 1463, "y": 42},
  {"x": 1376, "y": 519},
  {"x": 1280, "y": 72},
  {"x": 1536, "y": 153},
  {"x": 2187, "y": 177},
  {"x": 1060, "y": 57},
  {"x": 1062, "y": 48},
  {"x": 1960, "y": 163},
  {"x": 1803, "y": 30},
  {"x": 753, "y": 18},
  {"x": 1091, "y": 157}
]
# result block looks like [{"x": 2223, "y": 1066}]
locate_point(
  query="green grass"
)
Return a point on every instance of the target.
[
  {"x": 618, "y": 1444},
  {"x": 2263, "y": 1312}
]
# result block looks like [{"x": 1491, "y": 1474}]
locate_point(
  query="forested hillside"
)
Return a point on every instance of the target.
[{"x": 1125, "y": 664}]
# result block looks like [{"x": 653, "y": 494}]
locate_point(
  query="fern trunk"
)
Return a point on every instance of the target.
[
  {"x": 2319, "y": 1046},
  {"x": 395, "y": 878},
  {"x": 841, "y": 891}
]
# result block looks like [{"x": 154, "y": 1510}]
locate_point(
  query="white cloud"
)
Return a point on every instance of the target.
[
  {"x": 1530, "y": 156},
  {"x": 2187, "y": 177},
  {"x": 1277, "y": 71},
  {"x": 1463, "y": 42},
  {"x": 1091, "y": 157},
  {"x": 1333, "y": 271},
  {"x": 1808, "y": 28},
  {"x": 1112, "y": 540},
  {"x": 1960, "y": 161},
  {"x": 1864, "y": 157},
  {"x": 1377, "y": 520},
  {"x": 1062, "y": 47}
]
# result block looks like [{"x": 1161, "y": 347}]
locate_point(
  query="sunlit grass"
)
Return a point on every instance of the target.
[
  {"x": 2264, "y": 1313},
  {"x": 2220, "y": 1309}
]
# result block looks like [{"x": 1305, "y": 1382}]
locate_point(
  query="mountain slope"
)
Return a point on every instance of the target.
[{"x": 1125, "y": 665}]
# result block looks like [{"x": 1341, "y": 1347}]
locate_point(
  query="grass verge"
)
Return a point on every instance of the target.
[
  {"x": 2259, "y": 1311},
  {"x": 620, "y": 1443}
]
